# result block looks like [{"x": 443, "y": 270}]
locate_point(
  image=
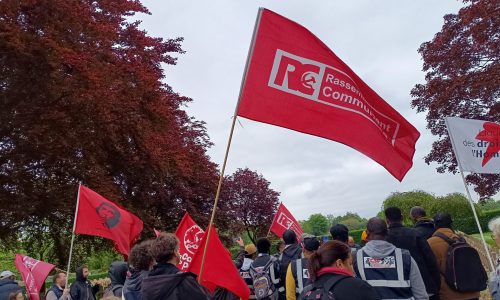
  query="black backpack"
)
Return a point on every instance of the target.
[
  {"x": 464, "y": 271},
  {"x": 316, "y": 292}
]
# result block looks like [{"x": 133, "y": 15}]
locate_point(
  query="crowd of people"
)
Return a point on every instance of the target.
[{"x": 428, "y": 261}]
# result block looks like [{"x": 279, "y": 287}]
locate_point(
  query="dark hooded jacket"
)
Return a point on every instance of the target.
[
  {"x": 133, "y": 283},
  {"x": 407, "y": 238},
  {"x": 117, "y": 273},
  {"x": 8, "y": 286},
  {"x": 81, "y": 289},
  {"x": 291, "y": 253},
  {"x": 425, "y": 227},
  {"x": 166, "y": 282}
]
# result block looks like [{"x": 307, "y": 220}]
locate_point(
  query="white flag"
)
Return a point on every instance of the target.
[{"x": 476, "y": 144}]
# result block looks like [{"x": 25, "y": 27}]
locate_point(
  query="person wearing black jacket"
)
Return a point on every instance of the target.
[
  {"x": 82, "y": 289},
  {"x": 291, "y": 252},
  {"x": 331, "y": 266},
  {"x": 407, "y": 238},
  {"x": 423, "y": 226},
  {"x": 117, "y": 273},
  {"x": 166, "y": 281},
  {"x": 140, "y": 262}
]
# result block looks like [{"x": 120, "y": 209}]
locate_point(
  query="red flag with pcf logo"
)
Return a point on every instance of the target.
[
  {"x": 219, "y": 269},
  {"x": 295, "y": 81},
  {"x": 189, "y": 235},
  {"x": 100, "y": 217},
  {"x": 34, "y": 272},
  {"x": 284, "y": 220}
]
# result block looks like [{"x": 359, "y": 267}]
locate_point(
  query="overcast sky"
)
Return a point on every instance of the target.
[{"x": 377, "y": 39}]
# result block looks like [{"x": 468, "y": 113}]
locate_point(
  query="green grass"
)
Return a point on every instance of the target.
[{"x": 487, "y": 237}]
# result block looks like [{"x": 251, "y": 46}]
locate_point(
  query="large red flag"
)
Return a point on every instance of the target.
[
  {"x": 284, "y": 220},
  {"x": 100, "y": 217},
  {"x": 295, "y": 81},
  {"x": 219, "y": 269},
  {"x": 189, "y": 235},
  {"x": 34, "y": 272}
]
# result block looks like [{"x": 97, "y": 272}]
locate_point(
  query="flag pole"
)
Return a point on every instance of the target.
[
  {"x": 221, "y": 177},
  {"x": 269, "y": 231},
  {"x": 73, "y": 234},
  {"x": 470, "y": 199}
]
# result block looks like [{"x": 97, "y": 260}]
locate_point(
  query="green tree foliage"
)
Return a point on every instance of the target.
[
  {"x": 490, "y": 204},
  {"x": 317, "y": 224},
  {"x": 455, "y": 204},
  {"x": 352, "y": 220}
]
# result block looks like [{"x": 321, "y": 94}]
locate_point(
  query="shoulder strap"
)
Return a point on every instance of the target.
[
  {"x": 444, "y": 237},
  {"x": 116, "y": 287},
  {"x": 332, "y": 282}
]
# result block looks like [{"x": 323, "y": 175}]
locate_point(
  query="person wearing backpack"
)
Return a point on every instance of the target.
[
  {"x": 440, "y": 245},
  {"x": 264, "y": 273},
  {"x": 291, "y": 252},
  {"x": 297, "y": 275},
  {"x": 331, "y": 271},
  {"x": 390, "y": 270},
  {"x": 409, "y": 239},
  {"x": 166, "y": 281},
  {"x": 250, "y": 255},
  {"x": 117, "y": 273}
]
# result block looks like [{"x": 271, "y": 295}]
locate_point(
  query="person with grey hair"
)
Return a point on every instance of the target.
[
  {"x": 8, "y": 285},
  {"x": 494, "y": 227},
  {"x": 424, "y": 226}
]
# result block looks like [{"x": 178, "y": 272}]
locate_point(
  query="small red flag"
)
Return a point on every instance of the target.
[
  {"x": 295, "y": 81},
  {"x": 189, "y": 235},
  {"x": 100, "y": 217},
  {"x": 219, "y": 269},
  {"x": 284, "y": 220},
  {"x": 34, "y": 272}
]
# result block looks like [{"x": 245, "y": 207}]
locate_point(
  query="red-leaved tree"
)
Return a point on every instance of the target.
[
  {"x": 83, "y": 98},
  {"x": 248, "y": 203},
  {"x": 462, "y": 65}
]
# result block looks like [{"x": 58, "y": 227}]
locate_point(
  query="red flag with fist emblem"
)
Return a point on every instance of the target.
[
  {"x": 295, "y": 81},
  {"x": 189, "y": 235}
]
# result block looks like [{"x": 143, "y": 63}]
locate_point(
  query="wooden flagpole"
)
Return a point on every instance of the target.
[
  {"x": 221, "y": 177},
  {"x": 269, "y": 231},
  {"x": 470, "y": 199},
  {"x": 73, "y": 234}
]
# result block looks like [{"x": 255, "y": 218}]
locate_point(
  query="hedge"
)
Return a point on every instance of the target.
[{"x": 469, "y": 226}]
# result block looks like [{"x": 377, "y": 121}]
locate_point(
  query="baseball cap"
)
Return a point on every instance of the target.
[{"x": 6, "y": 274}]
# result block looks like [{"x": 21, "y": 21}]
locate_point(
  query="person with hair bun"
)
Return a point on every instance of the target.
[{"x": 330, "y": 270}]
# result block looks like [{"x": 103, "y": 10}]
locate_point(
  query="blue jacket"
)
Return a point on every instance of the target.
[{"x": 8, "y": 286}]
